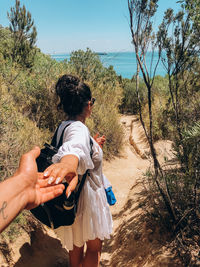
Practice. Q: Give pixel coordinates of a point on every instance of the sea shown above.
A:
(124, 63)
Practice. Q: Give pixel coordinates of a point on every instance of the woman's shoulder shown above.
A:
(75, 126)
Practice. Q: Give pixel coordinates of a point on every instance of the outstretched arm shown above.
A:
(25, 189)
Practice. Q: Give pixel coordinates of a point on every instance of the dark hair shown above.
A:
(73, 94)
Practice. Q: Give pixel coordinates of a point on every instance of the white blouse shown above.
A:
(93, 218)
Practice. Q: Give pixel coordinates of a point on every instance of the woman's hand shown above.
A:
(100, 139)
(65, 169)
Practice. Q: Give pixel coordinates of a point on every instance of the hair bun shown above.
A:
(73, 94)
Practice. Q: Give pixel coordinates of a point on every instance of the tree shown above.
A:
(180, 50)
(86, 64)
(141, 13)
(24, 35)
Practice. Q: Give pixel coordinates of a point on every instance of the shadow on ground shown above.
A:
(43, 251)
(139, 240)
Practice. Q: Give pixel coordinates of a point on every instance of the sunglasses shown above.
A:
(92, 101)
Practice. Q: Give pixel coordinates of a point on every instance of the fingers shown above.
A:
(101, 140)
(43, 182)
(96, 136)
(51, 192)
(72, 185)
(57, 172)
(44, 194)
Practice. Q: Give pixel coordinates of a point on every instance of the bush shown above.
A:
(129, 103)
(18, 135)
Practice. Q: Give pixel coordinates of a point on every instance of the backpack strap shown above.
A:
(85, 174)
(54, 139)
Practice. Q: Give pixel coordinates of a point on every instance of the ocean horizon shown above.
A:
(124, 63)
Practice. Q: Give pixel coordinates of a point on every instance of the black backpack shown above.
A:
(60, 211)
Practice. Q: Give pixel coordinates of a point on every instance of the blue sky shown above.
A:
(67, 25)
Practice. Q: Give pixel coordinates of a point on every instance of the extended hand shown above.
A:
(100, 139)
(37, 190)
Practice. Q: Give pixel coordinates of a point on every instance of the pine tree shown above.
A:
(24, 35)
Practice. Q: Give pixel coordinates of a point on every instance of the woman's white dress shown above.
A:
(93, 218)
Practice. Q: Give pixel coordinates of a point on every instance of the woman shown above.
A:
(93, 221)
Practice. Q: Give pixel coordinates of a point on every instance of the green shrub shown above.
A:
(129, 103)
(18, 135)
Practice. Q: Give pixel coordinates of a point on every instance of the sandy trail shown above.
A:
(124, 174)
(136, 242)
(124, 171)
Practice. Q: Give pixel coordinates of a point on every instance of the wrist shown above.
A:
(70, 162)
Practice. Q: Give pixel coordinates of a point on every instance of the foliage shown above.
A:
(24, 35)
(129, 101)
(193, 7)
(18, 134)
(174, 107)
(192, 142)
(193, 132)
(160, 109)
(180, 115)
(141, 15)
(176, 38)
(86, 65)
(34, 92)
(6, 43)
(182, 50)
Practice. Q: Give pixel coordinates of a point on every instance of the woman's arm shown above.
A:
(24, 189)
(73, 157)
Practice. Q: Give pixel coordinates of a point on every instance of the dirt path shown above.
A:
(134, 242)
(124, 171)
(124, 174)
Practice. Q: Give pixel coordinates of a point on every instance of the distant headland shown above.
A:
(101, 53)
